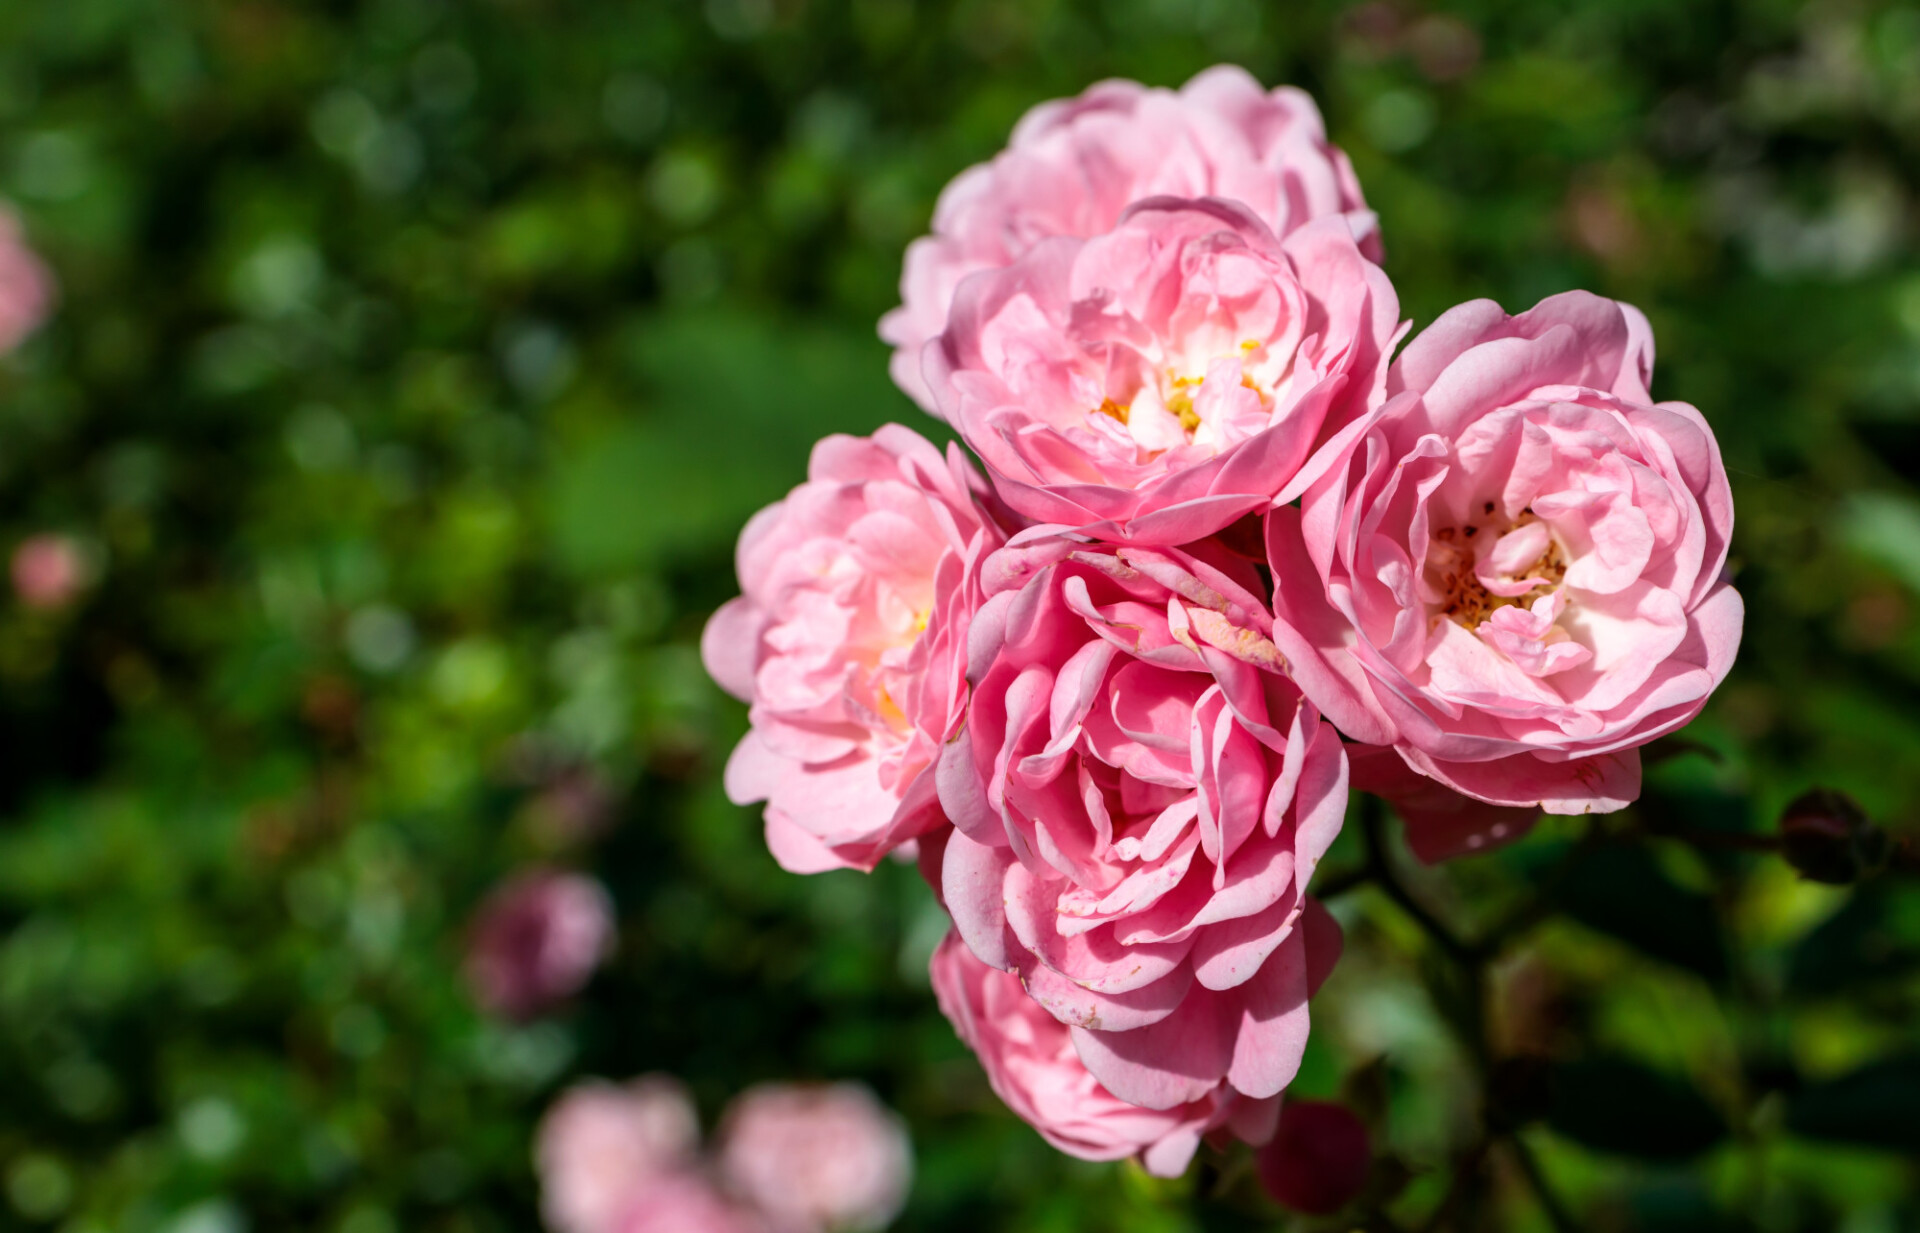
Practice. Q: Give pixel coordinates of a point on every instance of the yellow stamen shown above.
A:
(1181, 404)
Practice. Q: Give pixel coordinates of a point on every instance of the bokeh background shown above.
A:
(416, 364)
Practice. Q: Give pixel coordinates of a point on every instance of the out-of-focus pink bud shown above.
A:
(536, 940)
(26, 288)
(602, 1148)
(1318, 1159)
(817, 1157)
(48, 571)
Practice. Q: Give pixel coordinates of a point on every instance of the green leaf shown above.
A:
(1874, 938)
(1616, 1105)
(738, 401)
(1873, 1106)
(1621, 891)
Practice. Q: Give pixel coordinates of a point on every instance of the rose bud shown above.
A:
(1827, 837)
(536, 940)
(1318, 1159)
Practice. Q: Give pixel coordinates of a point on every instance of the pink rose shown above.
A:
(1074, 165)
(1516, 578)
(686, 1203)
(601, 1146)
(816, 1157)
(536, 940)
(26, 288)
(1158, 381)
(1139, 801)
(1030, 1061)
(849, 645)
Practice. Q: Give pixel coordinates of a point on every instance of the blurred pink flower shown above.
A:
(602, 1146)
(1073, 165)
(1030, 1061)
(1318, 1159)
(1517, 576)
(850, 644)
(536, 940)
(816, 1157)
(48, 570)
(686, 1203)
(1139, 800)
(26, 286)
(1158, 381)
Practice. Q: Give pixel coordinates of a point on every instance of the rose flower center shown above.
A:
(1458, 561)
(1176, 392)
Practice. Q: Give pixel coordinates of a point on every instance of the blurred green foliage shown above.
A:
(416, 364)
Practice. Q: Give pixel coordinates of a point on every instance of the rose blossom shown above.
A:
(1073, 165)
(1140, 800)
(26, 288)
(48, 570)
(816, 1157)
(1160, 380)
(1516, 578)
(848, 644)
(601, 1146)
(686, 1203)
(1031, 1063)
(536, 940)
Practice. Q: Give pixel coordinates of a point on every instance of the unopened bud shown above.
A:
(1827, 837)
(1318, 1159)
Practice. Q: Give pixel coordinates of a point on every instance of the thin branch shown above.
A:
(1556, 1213)
(1465, 1172)
(1373, 830)
(1334, 885)
(1714, 841)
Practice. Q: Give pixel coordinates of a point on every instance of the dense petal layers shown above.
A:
(1030, 1061)
(1075, 165)
(1139, 799)
(1516, 576)
(849, 644)
(1158, 381)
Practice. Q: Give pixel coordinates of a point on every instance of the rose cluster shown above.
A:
(1223, 558)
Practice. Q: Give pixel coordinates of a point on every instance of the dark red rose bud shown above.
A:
(1317, 1161)
(535, 941)
(1827, 837)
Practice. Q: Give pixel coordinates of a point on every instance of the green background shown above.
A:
(416, 364)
